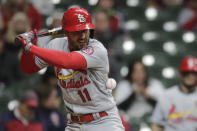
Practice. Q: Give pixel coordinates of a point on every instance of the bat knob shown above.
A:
(17, 40)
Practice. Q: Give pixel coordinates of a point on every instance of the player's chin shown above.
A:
(81, 45)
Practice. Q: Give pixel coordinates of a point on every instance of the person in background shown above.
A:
(11, 7)
(137, 94)
(23, 117)
(187, 18)
(56, 21)
(115, 17)
(177, 107)
(18, 24)
(51, 117)
(45, 7)
(10, 71)
(103, 32)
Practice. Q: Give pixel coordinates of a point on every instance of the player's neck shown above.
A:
(187, 90)
(70, 47)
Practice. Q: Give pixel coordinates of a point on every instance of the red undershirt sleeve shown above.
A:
(27, 63)
(60, 59)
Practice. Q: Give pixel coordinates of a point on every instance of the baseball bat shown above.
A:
(53, 32)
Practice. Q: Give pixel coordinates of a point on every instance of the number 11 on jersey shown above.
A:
(84, 95)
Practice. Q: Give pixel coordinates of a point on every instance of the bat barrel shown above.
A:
(53, 32)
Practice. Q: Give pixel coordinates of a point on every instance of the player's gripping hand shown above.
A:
(27, 39)
(25, 43)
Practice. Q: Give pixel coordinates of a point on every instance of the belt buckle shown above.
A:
(79, 119)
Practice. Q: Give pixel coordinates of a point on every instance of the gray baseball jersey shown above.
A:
(176, 110)
(84, 91)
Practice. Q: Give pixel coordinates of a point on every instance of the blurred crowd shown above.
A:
(137, 93)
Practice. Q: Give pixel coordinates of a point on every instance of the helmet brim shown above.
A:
(80, 27)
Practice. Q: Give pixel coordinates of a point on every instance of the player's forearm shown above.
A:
(27, 63)
(60, 59)
(156, 127)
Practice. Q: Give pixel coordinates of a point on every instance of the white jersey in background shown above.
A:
(176, 110)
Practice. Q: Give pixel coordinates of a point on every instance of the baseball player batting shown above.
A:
(81, 65)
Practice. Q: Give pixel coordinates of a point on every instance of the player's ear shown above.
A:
(181, 75)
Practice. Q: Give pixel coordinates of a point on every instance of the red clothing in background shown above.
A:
(9, 122)
(32, 13)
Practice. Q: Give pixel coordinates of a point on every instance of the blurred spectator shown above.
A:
(49, 77)
(54, 22)
(23, 117)
(45, 7)
(187, 18)
(103, 32)
(137, 94)
(11, 7)
(57, 19)
(176, 108)
(115, 17)
(10, 71)
(18, 25)
(51, 117)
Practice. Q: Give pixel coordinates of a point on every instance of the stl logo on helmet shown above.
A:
(190, 63)
(81, 18)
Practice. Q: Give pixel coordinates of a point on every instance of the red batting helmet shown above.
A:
(189, 64)
(76, 19)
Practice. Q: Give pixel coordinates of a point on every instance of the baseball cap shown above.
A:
(29, 98)
(189, 64)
